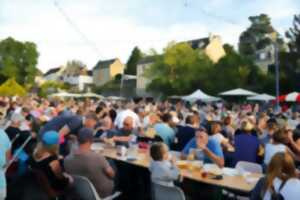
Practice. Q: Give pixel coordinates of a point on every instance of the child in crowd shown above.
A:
(163, 169)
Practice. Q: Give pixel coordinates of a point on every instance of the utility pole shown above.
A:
(276, 52)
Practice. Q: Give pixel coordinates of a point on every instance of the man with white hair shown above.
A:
(119, 121)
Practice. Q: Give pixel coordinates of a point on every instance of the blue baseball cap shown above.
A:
(50, 138)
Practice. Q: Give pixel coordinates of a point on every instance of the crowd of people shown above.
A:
(52, 139)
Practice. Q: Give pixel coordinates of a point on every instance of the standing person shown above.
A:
(68, 126)
(85, 162)
(281, 180)
(5, 146)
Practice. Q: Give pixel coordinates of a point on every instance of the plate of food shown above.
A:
(182, 164)
(96, 147)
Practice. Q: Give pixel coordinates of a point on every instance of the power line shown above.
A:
(76, 28)
(211, 15)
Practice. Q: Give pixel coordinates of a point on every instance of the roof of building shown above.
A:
(198, 43)
(51, 71)
(104, 63)
(147, 59)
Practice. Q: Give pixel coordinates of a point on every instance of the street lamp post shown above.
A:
(276, 52)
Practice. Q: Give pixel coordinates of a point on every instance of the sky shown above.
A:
(93, 30)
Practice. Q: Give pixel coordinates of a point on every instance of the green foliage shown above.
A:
(18, 60)
(293, 34)
(181, 70)
(118, 77)
(51, 86)
(178, 70)
(74, 67)
(259, 35)
(134, 58)
(12, 88)
(113, 85)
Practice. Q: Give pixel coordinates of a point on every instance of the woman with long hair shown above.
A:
(280, 182)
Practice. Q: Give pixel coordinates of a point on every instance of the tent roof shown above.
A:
(199, 95)
(238, 92)
(91, 94)
(64, 94)
(261, 97)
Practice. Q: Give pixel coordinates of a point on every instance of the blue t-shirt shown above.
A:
(5, 145)
(166, 133)
(213, 145)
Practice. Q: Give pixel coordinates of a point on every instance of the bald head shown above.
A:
(128, 123)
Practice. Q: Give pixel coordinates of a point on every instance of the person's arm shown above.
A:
(294, 156)
(219, 160)
(107, 169)
(121, 138)
(8, 155)
(216, 159)
(294, 145)
(65, 130)
(109, 172)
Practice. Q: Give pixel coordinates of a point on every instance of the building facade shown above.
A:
(105, 71)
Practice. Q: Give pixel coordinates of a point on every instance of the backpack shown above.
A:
(277, 195)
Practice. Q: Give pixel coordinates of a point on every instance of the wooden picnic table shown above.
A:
(235, 182)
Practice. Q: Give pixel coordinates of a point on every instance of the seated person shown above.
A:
(122, 135)
(278, 144)
(45, 159)
(281, 178)
(246, 144)
(216, 134)
(91, 165)
(164, 129)
(211, 149)
(163, 168)
(187, 132)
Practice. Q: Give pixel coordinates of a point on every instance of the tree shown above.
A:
(178, 70)
(290, 61)
(134, 58)
(51, 86)
(258, 36)
(75, 68)
(293, 34)
(18, 60)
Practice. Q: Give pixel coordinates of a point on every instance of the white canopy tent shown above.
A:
(64, 94)
(261, 97)
(90, 94)
(199, 95)
(238, 92)
(115, 98)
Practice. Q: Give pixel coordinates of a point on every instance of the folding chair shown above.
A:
(161, 192)
(86, 190)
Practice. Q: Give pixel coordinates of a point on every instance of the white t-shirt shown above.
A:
(290, 190)
(219, 137)
(271, 150)
(127, 113)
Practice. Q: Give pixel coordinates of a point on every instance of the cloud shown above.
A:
(116, 26)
